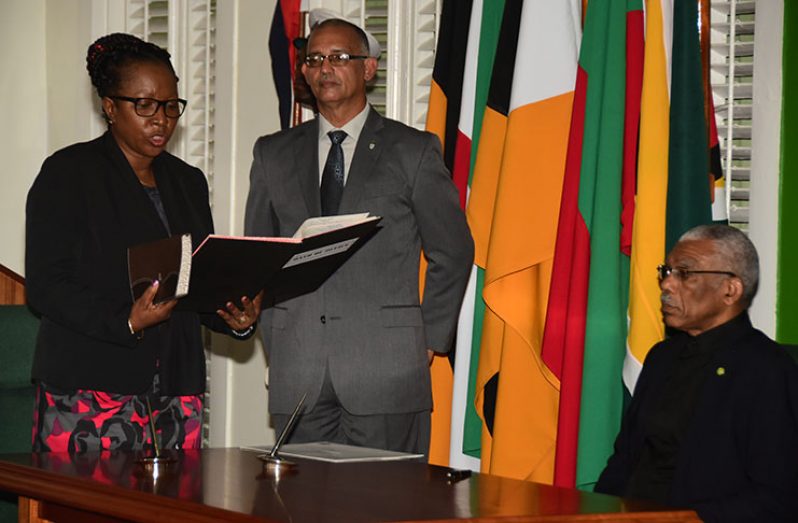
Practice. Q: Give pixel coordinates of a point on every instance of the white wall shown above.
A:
(72, 103)
(23, 135)
(765, 158)
(44, 75)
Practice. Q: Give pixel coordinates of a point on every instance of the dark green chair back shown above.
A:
(18, 330)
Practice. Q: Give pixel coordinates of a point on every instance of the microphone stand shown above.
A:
(272, 461)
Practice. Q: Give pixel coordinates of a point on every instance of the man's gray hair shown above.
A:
(362, 39)
(734, 247)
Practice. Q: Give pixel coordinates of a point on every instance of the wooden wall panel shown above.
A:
(12, 287)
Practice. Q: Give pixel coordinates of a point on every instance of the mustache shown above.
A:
(328, 76)
(666, 299)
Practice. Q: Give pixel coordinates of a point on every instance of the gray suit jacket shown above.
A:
(366, 321)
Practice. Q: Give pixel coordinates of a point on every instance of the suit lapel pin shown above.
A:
(720, 371)
(372, 145)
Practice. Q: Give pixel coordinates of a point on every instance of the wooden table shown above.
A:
(230, 485)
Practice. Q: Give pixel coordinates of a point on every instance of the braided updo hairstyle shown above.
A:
(109, 55)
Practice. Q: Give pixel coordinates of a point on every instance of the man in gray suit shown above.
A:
(360, 346)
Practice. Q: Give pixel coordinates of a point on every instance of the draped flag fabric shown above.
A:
(689, 187)
(482, 199)
(648, 243)
(583, 137)
(674, 181)
(443, 116)
(605, 333)
(284, 28)
(465, 449)
(521, 221)
(443, 113)
(586, 327)
(461, 174)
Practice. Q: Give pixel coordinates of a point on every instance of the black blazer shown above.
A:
(85, 208)
(739, 458)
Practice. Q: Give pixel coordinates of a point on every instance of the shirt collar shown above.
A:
(717, 337)
(352, 128)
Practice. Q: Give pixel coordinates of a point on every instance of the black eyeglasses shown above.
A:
(663, 271)
(149, 106)
(335, 59)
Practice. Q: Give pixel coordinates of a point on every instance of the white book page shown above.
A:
(322, 224)
(184, 276)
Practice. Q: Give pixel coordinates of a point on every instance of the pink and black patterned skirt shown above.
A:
(89, 420)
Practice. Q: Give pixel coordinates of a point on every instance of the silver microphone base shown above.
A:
(276, 465)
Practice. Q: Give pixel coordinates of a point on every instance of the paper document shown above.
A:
(337, 452)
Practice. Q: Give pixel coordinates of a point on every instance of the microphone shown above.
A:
(155, 465)
(272, 460)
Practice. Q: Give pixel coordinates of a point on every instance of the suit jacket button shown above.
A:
(323, 319)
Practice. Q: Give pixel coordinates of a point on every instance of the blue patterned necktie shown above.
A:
(332, 178)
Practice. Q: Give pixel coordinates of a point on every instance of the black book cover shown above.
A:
(225, 268)
(316, 260)
(167, 260)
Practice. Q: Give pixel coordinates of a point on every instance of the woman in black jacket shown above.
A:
(100, 355)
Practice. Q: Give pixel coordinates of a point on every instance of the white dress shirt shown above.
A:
(352, 129)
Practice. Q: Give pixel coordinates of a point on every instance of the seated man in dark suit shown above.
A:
(713, 423)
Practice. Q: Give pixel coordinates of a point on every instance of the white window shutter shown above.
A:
(149, 20)
(412, 32)
(375, 21)
(186, 29)
(194, 60)
(732, 71)
(406, 30)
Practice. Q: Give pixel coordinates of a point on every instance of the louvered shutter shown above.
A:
(186, 29)
(149, 20)
(375, 21)
(412, 28)
(406, 30)
(732, 71)
(194, 60)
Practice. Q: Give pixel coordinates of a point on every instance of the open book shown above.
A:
(225, 268)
